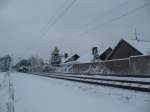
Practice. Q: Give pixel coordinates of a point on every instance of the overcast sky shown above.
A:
(23, 30)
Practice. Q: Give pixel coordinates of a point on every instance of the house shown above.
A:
(72, 58)
(90, 57)
(125, 49)
(128, 57)
(86, 58)
(95, 56)
(104, 54)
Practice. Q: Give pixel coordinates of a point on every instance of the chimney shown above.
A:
(94, 50)
(66, 55)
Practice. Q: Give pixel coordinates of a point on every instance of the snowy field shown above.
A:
(1, 77)
(4, 92)
(40, 94)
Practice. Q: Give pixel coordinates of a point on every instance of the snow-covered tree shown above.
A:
(23, 65)
(55, 57)
(36, 63)
(32, 64)
(5, 63)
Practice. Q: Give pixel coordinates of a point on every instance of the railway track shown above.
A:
(138, 85)
(114, 75)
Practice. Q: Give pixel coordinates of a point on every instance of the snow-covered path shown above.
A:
(40, 94)
(4, 96)
(6, 93)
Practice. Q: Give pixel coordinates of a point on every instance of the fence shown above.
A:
(138, 65)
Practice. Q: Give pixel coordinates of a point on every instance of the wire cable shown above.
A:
(59, 17)
(52, 17)
(117, 18)
(108, 12)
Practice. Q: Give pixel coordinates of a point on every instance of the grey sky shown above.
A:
(21, 22)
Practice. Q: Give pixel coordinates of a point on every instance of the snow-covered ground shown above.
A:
(4, 92)
(1, 77)
(40, 94)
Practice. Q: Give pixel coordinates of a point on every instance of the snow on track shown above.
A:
(41, 94)
(109, 77)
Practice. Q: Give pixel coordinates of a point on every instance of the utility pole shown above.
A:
(136, 35)
(137, 38)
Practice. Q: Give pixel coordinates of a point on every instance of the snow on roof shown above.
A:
(143, 47)
(103, 50)
(64, 60)
(70, 57)
(85, 58)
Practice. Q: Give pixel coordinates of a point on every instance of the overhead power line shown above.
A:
(54, 21)
(63, 13)
(117, 18)
(60, 12)
(106, 13)
(53, 16)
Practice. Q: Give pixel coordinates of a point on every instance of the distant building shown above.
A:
(72, 58)
(125, 49)
(116, 61)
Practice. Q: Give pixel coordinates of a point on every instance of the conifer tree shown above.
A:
(55, 57)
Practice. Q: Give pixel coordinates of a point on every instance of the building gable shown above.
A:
(73, 58)
(105, 54)
(123, 50)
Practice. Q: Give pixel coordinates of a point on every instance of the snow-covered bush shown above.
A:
(98, 69)
(65, 68)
